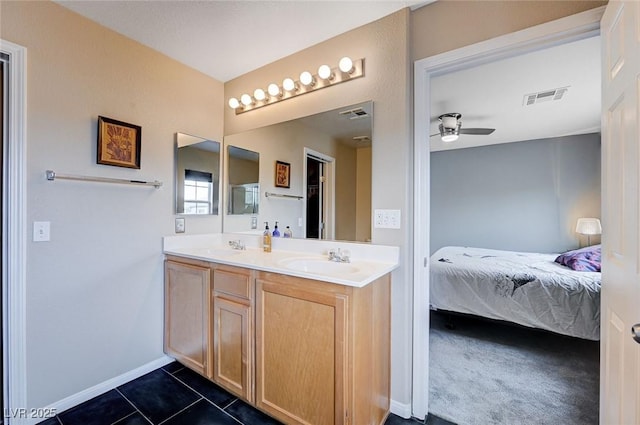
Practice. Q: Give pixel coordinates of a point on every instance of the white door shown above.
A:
(620, 354)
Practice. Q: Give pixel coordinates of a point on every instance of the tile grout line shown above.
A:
(130, 414)
(224, 411)
(230, 403)
(205, 398)
(180, 411)
(134, 406)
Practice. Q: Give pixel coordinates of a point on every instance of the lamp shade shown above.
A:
(588, 226)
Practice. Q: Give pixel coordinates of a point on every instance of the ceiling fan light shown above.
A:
(449, 122)
(449, 138)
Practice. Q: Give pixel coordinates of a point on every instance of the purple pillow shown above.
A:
(583, 260)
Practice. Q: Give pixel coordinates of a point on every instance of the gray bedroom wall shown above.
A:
(523, 196)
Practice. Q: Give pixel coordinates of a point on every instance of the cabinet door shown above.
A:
(187, 289)
(300, 353)
(232, 330)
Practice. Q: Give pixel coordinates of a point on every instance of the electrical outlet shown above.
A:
(180, 225)
(254, 222)
(386, 219)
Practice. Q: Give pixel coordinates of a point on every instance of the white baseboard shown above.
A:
(103, 387)
(401, 409)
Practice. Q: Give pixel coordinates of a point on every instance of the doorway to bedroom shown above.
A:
(525, 165)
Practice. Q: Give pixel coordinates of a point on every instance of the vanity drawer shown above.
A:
(232, 281)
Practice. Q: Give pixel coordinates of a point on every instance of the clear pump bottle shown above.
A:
(266, 238)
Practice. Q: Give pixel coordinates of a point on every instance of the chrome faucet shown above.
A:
(237, 245)
(339, 256)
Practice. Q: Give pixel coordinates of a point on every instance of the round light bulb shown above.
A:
(324, 72)
(346, 65)
(246, 99)
(259, 94)
(450, 138)
(288, 84)
(306, 78)
(234, 103)
(274, 90)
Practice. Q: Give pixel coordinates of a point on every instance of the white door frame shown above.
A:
(15, 236)
(571, 28)
(329, 195)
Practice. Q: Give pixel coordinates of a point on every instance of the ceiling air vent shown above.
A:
(544, 96)
(354, 114)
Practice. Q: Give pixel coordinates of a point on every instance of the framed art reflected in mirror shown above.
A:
(283, 174)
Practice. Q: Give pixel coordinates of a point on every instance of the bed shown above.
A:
(530, 289)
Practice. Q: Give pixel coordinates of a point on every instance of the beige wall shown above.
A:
(363, 194)
(449, 24)
(94, 292)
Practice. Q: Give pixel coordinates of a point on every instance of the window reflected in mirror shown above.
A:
(197, 175)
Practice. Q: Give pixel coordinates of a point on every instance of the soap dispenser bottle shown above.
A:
(276, 232)
(266, 238)
(288, 233)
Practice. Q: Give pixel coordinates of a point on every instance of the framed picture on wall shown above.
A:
(283, 174)
(119, 143)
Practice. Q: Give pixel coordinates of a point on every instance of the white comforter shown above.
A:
(526, 288)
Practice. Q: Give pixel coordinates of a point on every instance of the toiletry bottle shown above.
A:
(276, 232)
(288, 233)
(266, 238)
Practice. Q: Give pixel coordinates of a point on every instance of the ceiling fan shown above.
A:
(450, 128)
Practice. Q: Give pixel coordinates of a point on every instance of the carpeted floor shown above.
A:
(486, 372)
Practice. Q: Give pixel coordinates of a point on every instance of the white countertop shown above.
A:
(295, 257)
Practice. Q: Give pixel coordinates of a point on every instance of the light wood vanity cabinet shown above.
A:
(187, 325)
(303, 351)
(233, 329)
(322, 350)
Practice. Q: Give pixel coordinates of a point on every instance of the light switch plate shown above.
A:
(41, 231)
(386, 219)
(180, 225)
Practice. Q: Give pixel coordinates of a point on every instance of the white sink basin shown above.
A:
(319, 266)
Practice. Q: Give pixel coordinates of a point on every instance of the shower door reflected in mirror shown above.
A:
(244, 189)
(197, 175)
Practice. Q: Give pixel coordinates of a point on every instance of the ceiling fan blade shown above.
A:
(477, 131)
(435, 134)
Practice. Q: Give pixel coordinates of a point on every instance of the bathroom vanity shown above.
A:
(302, 338)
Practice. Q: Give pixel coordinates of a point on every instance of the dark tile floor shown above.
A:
(175, 395)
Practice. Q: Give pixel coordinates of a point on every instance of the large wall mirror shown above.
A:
(197, 175)
(328, 190)
(243, 172)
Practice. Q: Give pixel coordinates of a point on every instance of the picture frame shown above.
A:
(119, 143)
(283, 174)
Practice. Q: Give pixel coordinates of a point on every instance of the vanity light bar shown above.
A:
(347, 70)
